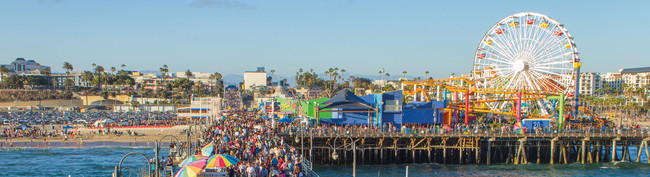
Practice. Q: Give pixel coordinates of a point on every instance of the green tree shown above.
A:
(189, 74)
(388, 88)
(3, 70)
(183, 84)
(12, 82)
(68, 68)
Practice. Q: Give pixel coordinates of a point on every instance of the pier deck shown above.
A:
(470, 148)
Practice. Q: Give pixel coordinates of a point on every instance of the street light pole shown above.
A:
(354, 155)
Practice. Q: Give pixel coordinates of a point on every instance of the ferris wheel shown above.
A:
(526, 51)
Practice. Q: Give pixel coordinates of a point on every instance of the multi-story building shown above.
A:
(639, 77)
(590, 83)
(254, 78)
(22, 66)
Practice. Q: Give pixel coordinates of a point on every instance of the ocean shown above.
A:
(101, 161)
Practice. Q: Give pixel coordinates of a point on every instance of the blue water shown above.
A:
(100, 161)
(74, 161)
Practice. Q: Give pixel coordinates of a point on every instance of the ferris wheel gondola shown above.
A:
(527, 52)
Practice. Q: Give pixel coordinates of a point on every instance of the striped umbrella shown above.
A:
(207, 150)
(192, 159)
(192, 170)
(221, 160)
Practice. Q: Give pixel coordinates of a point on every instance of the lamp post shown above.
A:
(354, 155)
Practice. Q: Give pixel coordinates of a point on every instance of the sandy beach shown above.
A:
(146, 135)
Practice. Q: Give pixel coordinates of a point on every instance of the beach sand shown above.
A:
(90, 136)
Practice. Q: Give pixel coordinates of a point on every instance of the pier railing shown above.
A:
(306, 168)
(463, 146)
(459, 133)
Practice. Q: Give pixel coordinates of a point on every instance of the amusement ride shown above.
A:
(526, 65)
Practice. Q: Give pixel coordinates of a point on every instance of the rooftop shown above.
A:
(634, 70)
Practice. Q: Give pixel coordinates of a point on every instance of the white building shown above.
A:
(201, 108)
(22, 66)
(254, 78)
(589, 83)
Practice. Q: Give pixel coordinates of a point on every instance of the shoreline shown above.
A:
(90, 137)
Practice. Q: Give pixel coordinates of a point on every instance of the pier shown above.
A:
(468, 148)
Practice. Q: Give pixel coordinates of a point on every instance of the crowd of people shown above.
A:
(256, 143)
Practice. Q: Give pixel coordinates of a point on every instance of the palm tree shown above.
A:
(163, 72)
(272, 71)
(426, 73)
(113, 69)
(99, 70)
(123, 67)
(404, 73)
(218, 77)
(99, 74)
(87, 77)
(188, 74)
(68, 67)
(47, 72)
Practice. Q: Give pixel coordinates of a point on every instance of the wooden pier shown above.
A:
(463, 148)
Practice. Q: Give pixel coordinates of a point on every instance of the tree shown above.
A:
(87, 77)
(309, 79)
(426, 73)
(68, 68)
(183, 84)
(388, 88)
(99, 76)
(217, 78)
(12, 82)
(3, 70)
(404, 73)
(113, 69)
(123, 67)
(188, 74)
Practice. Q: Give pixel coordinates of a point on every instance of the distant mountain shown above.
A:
(233, 79)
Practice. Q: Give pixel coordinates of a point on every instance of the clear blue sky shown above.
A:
(362, 36)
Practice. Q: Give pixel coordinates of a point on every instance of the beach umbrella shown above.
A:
(198, 163)
(207, 150)
(221, 160)
(191, 159)
(192, 170)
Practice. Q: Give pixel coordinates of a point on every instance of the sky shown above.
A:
(361, 36)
